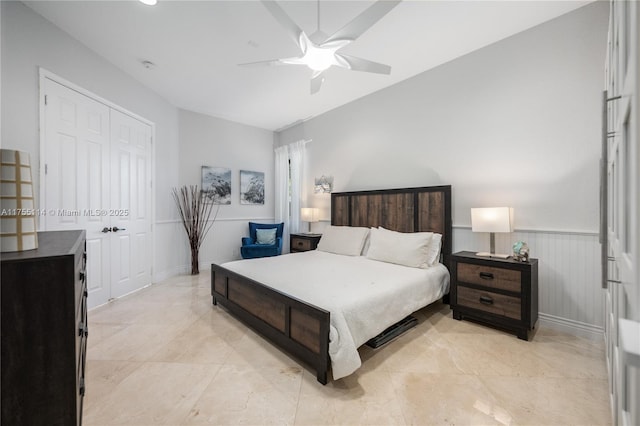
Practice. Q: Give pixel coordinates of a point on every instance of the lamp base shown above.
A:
(497, 255)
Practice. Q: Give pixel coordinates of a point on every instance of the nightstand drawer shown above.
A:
(488, 276)
(300, 244)
(487, 301)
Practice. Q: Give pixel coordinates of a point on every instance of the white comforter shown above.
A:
(363, 296)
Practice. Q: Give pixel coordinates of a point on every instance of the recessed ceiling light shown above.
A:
(148, 65)
(149, 2)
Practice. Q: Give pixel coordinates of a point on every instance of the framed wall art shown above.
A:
(251, 187)
(216, 184)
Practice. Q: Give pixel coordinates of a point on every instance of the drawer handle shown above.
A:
(83, 276)
(300, 243)
(486, 275)
(486, 300)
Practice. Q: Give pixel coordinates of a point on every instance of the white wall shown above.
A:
(28, 42)
(184, 141)
(210, 141)
(516, 123)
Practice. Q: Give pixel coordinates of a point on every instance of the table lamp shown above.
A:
(492, 220)
(309, 214)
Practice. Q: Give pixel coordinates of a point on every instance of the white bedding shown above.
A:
(364, 296)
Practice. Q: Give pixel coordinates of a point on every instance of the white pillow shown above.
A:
(408, 249)
(433, 251)
(347, 240)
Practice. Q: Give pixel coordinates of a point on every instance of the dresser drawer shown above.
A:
(499, 304)
(488, 276)
(300, 244)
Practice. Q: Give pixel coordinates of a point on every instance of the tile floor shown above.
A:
(166, 356)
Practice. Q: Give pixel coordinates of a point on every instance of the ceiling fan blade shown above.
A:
(275, 62)
(337, 44)
(364, 21)
(359, 64)
(316, 82)
(293, 30)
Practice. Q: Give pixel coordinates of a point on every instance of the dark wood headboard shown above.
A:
(426, 209)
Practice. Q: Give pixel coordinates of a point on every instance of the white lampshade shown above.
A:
(492, 219)
(308, 214)
(18, 227)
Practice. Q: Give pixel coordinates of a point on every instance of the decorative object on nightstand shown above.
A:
(521, 251)
(499, 292)
(492, 220)
(309, 215)
(17, 202)
(304, 242)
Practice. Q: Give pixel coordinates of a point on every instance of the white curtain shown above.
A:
(296, 158)
(289, 168)
(282, 193)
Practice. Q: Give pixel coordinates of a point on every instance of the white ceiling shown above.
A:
(197, 45)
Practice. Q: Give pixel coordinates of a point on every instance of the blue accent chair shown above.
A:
(251, 249)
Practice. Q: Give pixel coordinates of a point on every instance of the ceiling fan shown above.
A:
(319, 51)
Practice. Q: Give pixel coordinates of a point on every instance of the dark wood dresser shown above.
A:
(44, 331)
(304, 242)
(498, 292)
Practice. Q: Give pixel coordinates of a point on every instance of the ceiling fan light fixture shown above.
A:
(319, 59)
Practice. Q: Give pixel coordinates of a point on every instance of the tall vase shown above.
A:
(195, 266)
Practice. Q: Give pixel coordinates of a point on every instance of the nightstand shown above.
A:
(304, 242)
(499, 292)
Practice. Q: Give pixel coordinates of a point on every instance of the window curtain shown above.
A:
(282, 193)
(296, 158)
(289, 178)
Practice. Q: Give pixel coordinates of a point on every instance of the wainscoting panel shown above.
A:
(570, 295)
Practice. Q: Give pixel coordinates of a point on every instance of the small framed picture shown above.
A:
(251, 187)
(216, 184)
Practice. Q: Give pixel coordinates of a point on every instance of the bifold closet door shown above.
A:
(130, 204)
(98, 178)
(622, 295)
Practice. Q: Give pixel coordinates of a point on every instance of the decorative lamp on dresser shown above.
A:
(44, 331)
(499, 292)
(304, 242)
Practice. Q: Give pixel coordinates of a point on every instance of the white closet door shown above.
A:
(76, 184)
(98, 178)
(622, 299)
(130, 203)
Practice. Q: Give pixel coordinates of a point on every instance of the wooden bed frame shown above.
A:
(302, 329)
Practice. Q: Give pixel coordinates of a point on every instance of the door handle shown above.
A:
(105, 230)
(116, 229)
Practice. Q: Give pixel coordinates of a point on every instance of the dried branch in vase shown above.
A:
(195, 213)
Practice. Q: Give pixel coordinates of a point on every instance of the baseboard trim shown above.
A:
(205, 266)
(576, 328)
(169, 273)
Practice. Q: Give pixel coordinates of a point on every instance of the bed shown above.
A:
(281, 308)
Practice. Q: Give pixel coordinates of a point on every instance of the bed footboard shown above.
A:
(295, 326)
